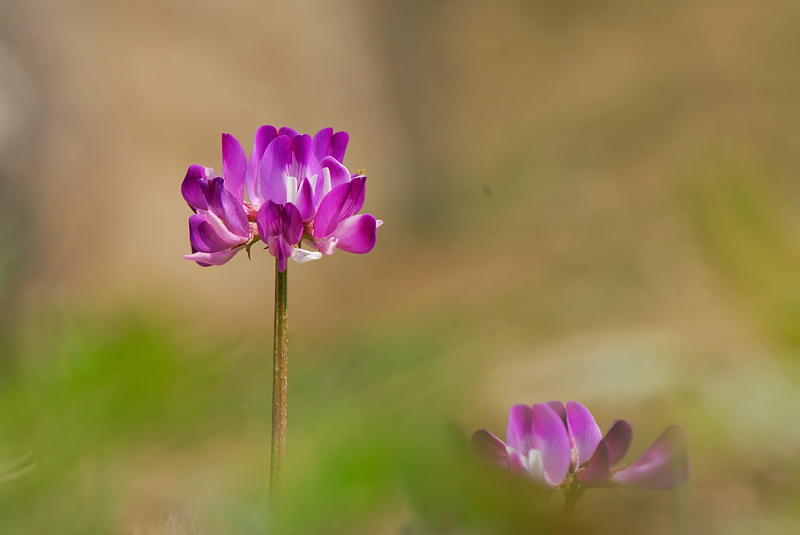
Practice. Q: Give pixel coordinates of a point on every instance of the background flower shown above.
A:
(550, 440)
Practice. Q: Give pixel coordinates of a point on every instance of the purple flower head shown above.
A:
(288, 176)
(560, 445)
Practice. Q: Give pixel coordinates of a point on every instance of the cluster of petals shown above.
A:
(555, 444)
(297, 188)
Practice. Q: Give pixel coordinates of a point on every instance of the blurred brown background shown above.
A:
(582, 200)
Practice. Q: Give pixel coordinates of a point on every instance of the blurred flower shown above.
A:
(562, 445)
(289, 177)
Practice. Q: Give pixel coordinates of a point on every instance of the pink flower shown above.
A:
(559, 445)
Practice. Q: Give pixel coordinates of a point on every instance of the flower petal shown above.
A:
(326, 246)
(356, 234)
(339, 204)
(223, 204)
(304, 163)
(264, 136)
(279, 249)
(234, 166)
(322, 143)
(304, 201)
(339, 142)
(293, 224)
(583, 429)
(273, 172)
(301, 256)
(556, 406)
(664, 465)
(552, 440)
(515, 464)
(489, 448)
(213, 259)
(519, 433)
(326, 143)
(339, 173)
(618, 438)
(286, 131)
(279, 220)
(598, 469)
(190, 187)
(210, 236)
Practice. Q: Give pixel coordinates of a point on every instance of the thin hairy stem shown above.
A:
(279, 360)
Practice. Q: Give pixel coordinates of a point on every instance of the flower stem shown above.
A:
(279, 358)
(572, 494)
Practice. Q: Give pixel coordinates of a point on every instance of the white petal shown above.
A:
(326, 245)
(326, 184)
(534, 466)
(302, 256)
(291, 189)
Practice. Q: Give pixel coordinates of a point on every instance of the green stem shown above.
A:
(279, 358)
(572, 494)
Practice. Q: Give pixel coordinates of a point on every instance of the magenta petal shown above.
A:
(584, 431)
(190, 188)
(274, 170)
(329, 212)
(279, 220)
(326, 143)
(213, 259)
(304, 163)
(223, 204)
(288, 132)
(664, 465)
(305, 201)
(552, 440)
(234, 166)
(264, 136)
(207, 239)
(339, 173)
(339, 204)
(356, 234)
(519, 434)
(293, 224)
(322, 143)
(559, 408)
(618, 438)
(489, 448)
(355, 197)
(280, 250)
(339, 142)
(598, 469)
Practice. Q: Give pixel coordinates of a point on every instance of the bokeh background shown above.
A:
(589, 200)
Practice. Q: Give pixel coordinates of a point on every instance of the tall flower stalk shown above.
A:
(280, 352)
(292, 188)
